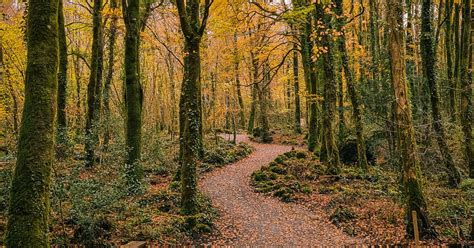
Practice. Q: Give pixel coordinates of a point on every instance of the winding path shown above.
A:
(251, 219)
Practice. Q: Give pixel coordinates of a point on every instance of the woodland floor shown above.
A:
(252, 219)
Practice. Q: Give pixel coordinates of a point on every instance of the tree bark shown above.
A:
(296, 84)
(466, 85)
(237, 83)
(330, 98)
(429, 61)
(133, 95)
(191, 148)
(353, 93)
(94, 87)
(110, 73)
(28, 214)
(414, 198)
(62, 82)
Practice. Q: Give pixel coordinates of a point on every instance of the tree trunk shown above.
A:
(330, 99)
(449, 59)
(61, 134)
(253, 105)
(406, 136)
(28, 214)
(110, 73)
(466, 86)
(237, 83)
(429, 61)
(353, 93)
(94, 88)
(297, 92)
(133, 95)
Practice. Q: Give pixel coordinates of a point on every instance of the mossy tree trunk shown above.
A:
(263, 98)
(413, 194)
(466, 85)
(309, 68)
(191, 148)
(61, 133)
(29, 199)
(352, 90)
(330, 97)
(94, 87)
(429, 61)
(133, 94)
(296, 85)
(110, 72)
(449, 59)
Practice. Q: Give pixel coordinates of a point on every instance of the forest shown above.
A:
(291, 123)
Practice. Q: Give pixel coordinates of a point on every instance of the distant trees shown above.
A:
(28, 214)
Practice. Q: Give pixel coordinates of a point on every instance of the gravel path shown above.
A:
(252, 219)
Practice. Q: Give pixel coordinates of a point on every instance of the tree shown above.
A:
(62, 81)
(133, 94)
(331, 153)
(412, 190)
(28, 215)
(190, 119)
(429, 61)
(351, 88)
(466, 86)
(110, 71)
(296, 84)
(94, 87)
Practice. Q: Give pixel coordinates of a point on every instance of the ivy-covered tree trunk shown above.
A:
(412, 190)
(94, 87)
(466, 85)
(61, 133)
(110, 72)
(191, 148)
(330, 98)
(133, 94)
(353, 93)
(429, 61)
(296, 85)
(28, 215)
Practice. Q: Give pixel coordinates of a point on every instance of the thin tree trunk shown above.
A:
(237, 83)
(253, 105)
(28, 215)
(297, 91)
(429, 61)
(94, 88)
(466, 86)
(110, 74)
(61, 134)
(353, 93)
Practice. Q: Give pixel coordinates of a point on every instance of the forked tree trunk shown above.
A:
(28, 215)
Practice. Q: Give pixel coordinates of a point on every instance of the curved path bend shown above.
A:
(251, 219)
